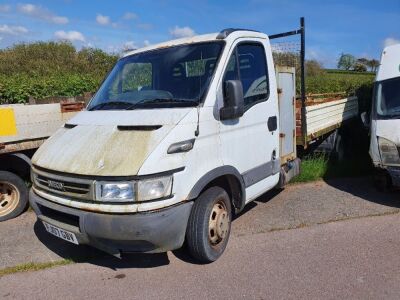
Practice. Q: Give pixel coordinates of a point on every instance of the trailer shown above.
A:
(23, 128)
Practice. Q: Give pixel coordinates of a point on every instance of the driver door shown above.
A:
(247, 143)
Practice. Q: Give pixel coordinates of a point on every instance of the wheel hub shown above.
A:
(9, 198)
(218, 224)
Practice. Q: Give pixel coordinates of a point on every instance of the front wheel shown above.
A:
(13, 195)
(209, 225)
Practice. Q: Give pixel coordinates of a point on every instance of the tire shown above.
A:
(339, 150)
(209, 225)
(13, 196)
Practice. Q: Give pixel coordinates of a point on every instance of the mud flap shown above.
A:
(288, 171)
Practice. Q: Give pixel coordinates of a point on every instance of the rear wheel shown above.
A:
(13, 195)
(339, 148)
(209, 225)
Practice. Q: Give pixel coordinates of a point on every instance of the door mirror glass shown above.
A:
(233, 100)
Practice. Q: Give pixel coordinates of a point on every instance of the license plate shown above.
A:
(61, 233)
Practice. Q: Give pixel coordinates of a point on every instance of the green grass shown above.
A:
(312, 168)
(318, 166)
(34, 267)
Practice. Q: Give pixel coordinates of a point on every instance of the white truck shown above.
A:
(384, 120)
(23, 128)
(179, 137)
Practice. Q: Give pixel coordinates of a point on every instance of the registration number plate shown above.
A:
(61, 233)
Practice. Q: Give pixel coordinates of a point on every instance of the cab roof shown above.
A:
(222, 35)
(390, 63)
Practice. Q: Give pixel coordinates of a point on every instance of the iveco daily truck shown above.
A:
(385, 119)
(179, 137)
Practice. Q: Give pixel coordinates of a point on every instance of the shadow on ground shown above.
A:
(364, 188)
(83, 253)
(264, 198)
(355, 173)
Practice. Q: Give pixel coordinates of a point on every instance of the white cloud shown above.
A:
(129, 45)
(5, 8)
(130, 16)
(13, 30)
(124, 47)
(146, 43)
(42, 13)
(180, 32)
(390, 41)
(103, 20)
(73, 36)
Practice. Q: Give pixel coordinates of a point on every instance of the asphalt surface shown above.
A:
(25, 240)
(353, 259)
(337, 250)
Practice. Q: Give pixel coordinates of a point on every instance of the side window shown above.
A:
(251, 69)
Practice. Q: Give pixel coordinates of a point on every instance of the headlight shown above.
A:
(115, 192)
(150, 189)
(130, 191)
(389, 151)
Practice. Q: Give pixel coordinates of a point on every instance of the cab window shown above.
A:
(248, 64)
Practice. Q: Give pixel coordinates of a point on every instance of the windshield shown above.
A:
(170, 77)
(387, 98)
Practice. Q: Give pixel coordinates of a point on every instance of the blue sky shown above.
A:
(361, 28)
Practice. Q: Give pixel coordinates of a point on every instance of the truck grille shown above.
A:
(63, 185)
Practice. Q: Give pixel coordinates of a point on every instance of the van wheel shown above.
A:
(209, 225)
(13, 196)
(339, 149)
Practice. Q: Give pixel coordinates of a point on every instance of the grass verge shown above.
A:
(320, 166)
(312, 168)
(34, 267)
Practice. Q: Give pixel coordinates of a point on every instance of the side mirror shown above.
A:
(233, 100)
(365, 119)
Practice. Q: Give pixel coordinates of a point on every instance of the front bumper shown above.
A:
(150, 232)
(394, 173)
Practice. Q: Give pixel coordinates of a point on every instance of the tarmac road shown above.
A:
(326, 257)
(353, 259)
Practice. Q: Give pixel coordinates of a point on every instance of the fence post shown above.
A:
(303, 82)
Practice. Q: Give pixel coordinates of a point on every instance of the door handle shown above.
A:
(272, 123)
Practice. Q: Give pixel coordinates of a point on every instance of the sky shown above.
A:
(361, 28)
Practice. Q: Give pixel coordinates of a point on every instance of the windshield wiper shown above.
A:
(162, 100)
(101, 105)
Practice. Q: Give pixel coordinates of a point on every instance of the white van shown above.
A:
(385, 119)
(179, 137)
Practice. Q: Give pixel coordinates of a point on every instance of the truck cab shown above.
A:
(179, 137)
(385, 119)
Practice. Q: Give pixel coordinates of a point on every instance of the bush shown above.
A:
(333, 82)
(314, 68)
(44, 69)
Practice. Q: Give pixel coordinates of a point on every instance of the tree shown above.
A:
(363, 61)
(359, 67)
(313, 68)
(346, 61)
(373, 64)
